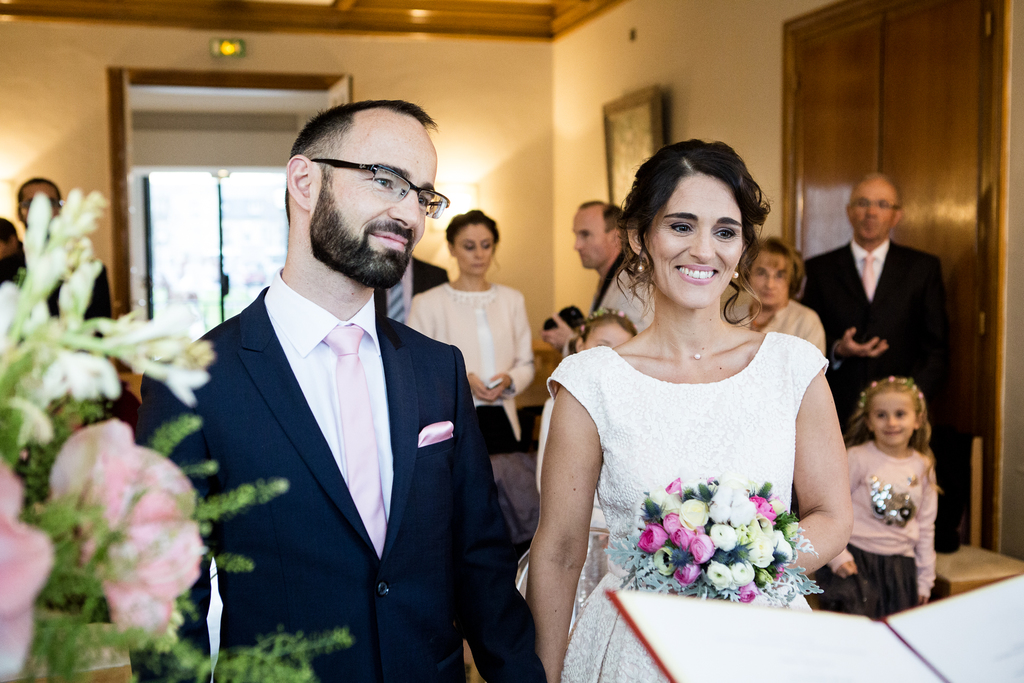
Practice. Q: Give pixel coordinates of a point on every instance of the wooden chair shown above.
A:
(972, 566)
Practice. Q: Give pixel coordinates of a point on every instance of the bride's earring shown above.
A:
(641, 267)
(735, 274)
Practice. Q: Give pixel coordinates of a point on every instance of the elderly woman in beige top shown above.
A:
(488, 323)
(775, 277)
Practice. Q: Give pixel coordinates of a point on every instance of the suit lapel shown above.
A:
(888, 281)
(268, 367)
(848, 275)
(403, 416)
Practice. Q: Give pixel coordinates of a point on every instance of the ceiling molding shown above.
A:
(463, 18)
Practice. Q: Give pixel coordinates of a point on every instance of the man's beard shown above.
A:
(342, 250)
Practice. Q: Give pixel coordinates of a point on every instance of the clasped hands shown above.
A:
(872, 348)
(480, 390)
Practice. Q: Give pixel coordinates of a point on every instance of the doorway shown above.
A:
(912, 89)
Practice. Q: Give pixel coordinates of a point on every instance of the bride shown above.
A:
(692, 396)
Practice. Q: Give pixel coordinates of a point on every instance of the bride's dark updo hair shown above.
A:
(653, 186)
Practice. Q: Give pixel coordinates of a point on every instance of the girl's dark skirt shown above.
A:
(883, 585)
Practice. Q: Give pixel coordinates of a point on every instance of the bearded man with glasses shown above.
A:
(882, 304)
(391, 524)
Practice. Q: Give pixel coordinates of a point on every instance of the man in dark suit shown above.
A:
(419, 277)
(405, 547)
(883, 305)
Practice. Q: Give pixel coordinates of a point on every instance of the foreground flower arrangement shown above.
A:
(725, 538)
(94, 528)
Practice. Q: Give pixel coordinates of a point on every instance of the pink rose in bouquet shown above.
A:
(26, 557)
(749, 592)
(702, 548)
(688, 574)
(675, 487)
(671, 523)
(683, 537)
(653, 537)
(150, 500)
(763, 508)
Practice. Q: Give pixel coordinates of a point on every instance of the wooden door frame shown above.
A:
(119, 80)
(992, 183)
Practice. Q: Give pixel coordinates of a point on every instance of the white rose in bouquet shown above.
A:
(668, 502)
(742, 573)
(694, 514)
(762, 551)
(723, 536)
(720, 575)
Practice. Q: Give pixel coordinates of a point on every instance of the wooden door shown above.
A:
(911, 88)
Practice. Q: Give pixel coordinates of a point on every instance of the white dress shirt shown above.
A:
(301, 326)
(860, 254)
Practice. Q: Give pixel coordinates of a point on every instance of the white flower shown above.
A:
(174, 322)
(719, 574)
(181, 381)
(782, 546)
(762, 551)
(36, 426)
(661, 560)
(777, 506)
(82, 375)
(40, 213)
(732, 480)
(723, 536)
(742, 573)
(45, 271)
(721, 505)
(76, 292)
(9, 294)
(668, 502)
(694, 514)
(743, 510)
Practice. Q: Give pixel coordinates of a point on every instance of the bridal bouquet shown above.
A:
(93, 528)
(726, 538)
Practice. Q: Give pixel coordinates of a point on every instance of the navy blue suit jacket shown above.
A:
(447, 568)
(908, 311)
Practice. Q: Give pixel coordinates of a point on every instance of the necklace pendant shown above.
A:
(696, 356)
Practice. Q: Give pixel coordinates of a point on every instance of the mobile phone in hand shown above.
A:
(493, 383)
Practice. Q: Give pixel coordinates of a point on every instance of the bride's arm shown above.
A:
(572, 464)
(821, 476)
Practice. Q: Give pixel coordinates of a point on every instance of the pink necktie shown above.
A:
(868, 278)
(361, 462)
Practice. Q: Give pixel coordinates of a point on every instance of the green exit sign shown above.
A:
(227, 47)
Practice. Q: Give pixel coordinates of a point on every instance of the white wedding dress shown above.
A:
(653, 432)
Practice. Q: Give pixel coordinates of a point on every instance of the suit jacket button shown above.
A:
(382, 588)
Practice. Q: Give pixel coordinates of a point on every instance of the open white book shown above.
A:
(975, 636)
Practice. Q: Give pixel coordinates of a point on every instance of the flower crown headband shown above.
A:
(600, 313)
(892, 380)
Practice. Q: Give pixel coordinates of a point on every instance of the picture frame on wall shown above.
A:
(633, 132)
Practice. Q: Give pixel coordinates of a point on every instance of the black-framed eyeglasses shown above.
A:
(27, 203)
(882, 204)
(394, 186)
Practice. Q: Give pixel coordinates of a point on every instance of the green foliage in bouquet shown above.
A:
(93, 528)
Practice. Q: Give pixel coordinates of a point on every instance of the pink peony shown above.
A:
(702, 548)
(671, 523)
(653, 537)
(764, 508)
(688, 574)
(146, 496)
(26, 557)
(675, 487)
(683, 537)
(749, 592)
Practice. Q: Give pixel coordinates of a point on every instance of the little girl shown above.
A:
(890, 560)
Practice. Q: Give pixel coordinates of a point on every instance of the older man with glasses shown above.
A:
(391, 525)
(882, 304)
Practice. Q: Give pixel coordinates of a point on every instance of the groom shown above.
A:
(391, 524)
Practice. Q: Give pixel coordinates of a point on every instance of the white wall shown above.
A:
(721, 65)
(492, 101)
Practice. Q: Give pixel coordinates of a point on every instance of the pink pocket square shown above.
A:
(435, 433)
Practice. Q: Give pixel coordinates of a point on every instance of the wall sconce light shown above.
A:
(227, 47)
(464, 197)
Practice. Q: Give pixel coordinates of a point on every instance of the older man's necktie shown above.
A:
(868, 277)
